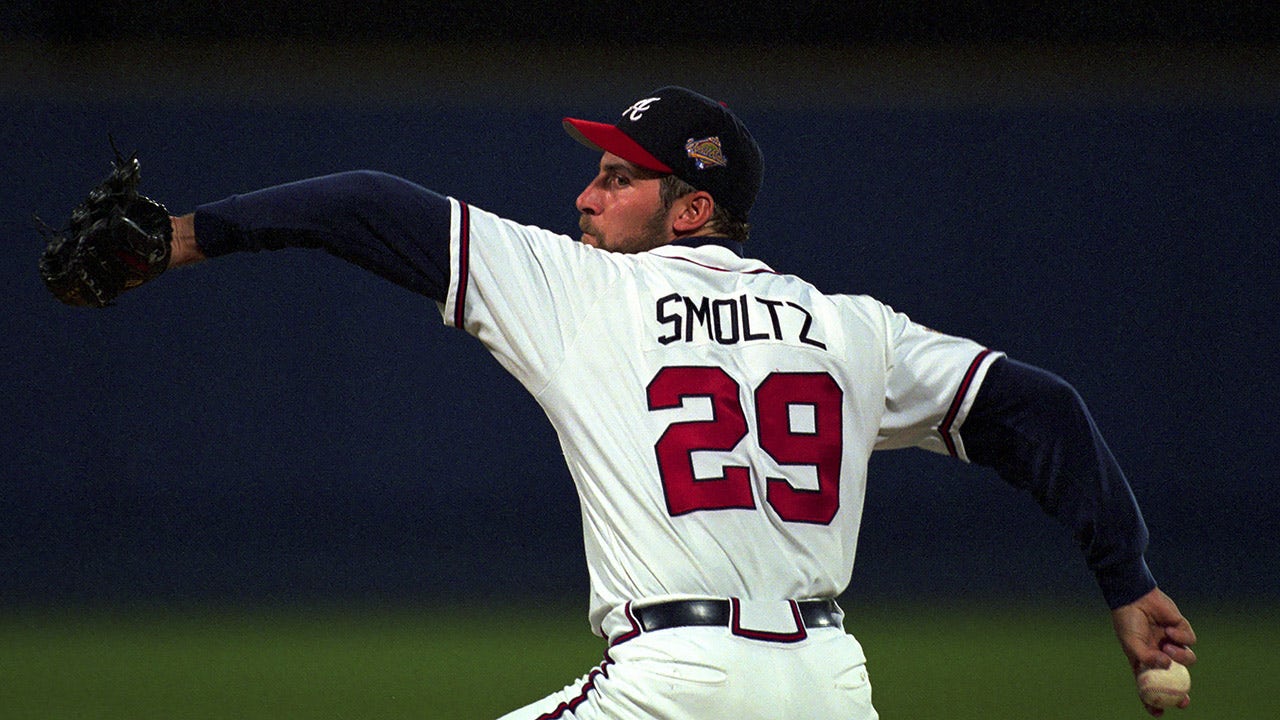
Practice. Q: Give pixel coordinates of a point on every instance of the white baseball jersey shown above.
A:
(716, 416)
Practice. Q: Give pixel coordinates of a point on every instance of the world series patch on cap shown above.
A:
(675, 130)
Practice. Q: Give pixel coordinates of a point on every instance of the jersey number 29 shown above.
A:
(818, 443)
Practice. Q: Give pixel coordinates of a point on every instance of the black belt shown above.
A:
(683, 613)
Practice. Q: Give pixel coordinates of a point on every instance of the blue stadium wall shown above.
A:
(285, 427)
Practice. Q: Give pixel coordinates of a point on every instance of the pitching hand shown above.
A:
(1152, 633)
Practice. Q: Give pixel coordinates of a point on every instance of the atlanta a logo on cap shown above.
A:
(636, 111)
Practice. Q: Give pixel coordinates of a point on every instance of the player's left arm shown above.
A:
(483, 271)
(184, 250)
(382, 223)
(1033, 428)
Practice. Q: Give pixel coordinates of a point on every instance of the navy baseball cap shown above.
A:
(677, 131)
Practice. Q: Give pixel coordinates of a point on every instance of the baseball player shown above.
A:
(716, 415)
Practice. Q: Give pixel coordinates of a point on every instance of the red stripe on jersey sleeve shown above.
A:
(945, 428)
(464, 251)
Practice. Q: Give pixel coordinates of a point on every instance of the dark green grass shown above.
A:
(954, 662)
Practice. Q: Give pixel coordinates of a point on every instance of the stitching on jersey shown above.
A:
(759, 271)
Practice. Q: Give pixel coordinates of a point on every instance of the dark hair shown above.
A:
(725, 223)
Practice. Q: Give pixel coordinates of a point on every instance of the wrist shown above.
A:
(183, 247)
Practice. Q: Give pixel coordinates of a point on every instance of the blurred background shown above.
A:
(1089, 187)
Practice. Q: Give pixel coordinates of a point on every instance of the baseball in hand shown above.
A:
(1164, 688)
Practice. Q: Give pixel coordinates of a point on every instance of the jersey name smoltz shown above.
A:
(733, 320)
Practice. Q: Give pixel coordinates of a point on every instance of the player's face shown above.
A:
(622, 210)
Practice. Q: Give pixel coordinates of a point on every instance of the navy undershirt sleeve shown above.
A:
(380, 222)
(1033, 428)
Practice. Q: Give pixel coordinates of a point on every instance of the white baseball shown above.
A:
(1164, 688)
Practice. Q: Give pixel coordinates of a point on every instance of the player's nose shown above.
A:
(587, 201)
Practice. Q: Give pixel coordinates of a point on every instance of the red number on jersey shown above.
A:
(726, 428)
(819, 442)
(813, 437)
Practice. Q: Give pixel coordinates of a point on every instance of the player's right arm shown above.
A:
(1035, 431)
(1033, 428)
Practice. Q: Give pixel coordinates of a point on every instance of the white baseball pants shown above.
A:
(708, 673)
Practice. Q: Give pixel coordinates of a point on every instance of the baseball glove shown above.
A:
(117, 239)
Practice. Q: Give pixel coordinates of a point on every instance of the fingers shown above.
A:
(1150, 656)
(1181, 632)
(1154, 632)
(1178, 652)
(1178, 639)
(1161, 655)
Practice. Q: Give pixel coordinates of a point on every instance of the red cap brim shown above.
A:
(608, 138)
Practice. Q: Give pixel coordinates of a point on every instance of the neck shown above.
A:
(709, 239)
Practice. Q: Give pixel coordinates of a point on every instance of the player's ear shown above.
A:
(694, 211)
